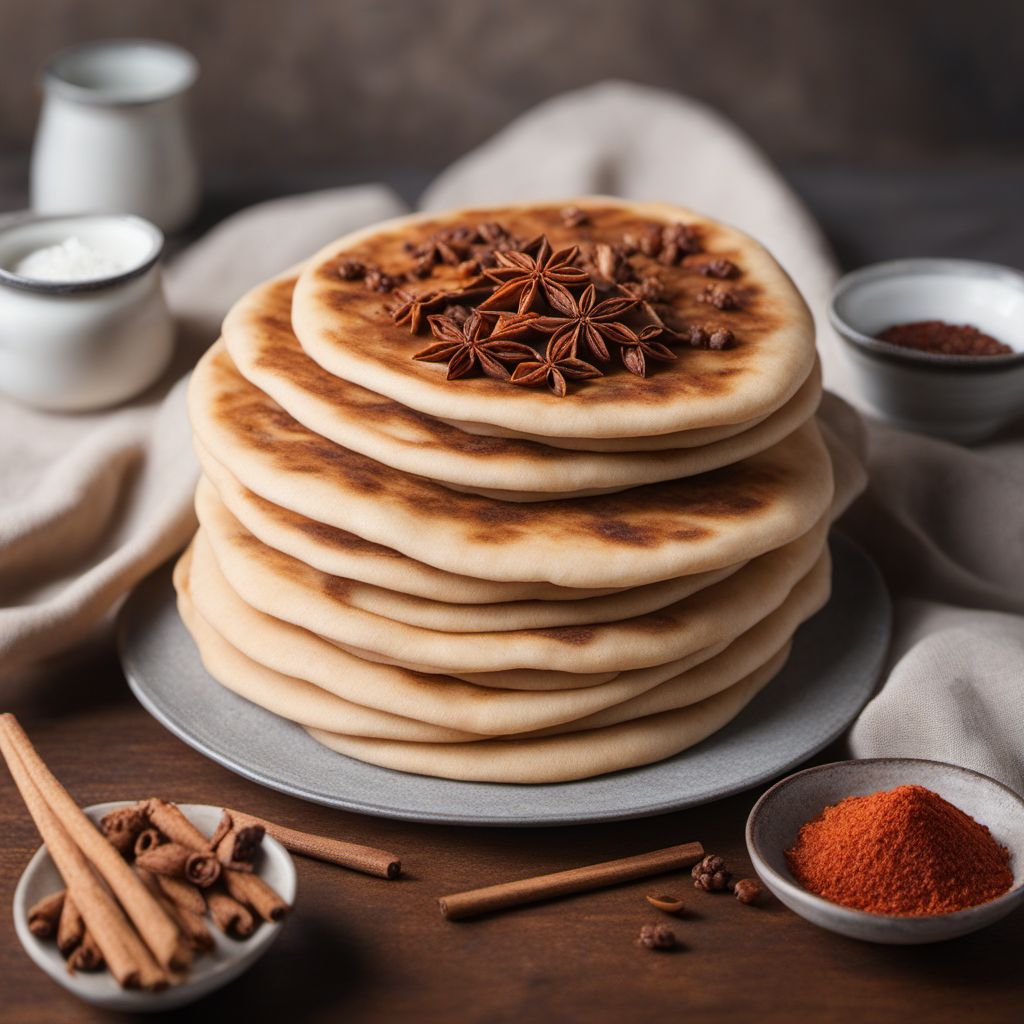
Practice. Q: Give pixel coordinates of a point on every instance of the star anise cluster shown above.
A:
(533, 316)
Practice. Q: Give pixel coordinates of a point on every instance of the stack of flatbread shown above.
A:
(521, 495)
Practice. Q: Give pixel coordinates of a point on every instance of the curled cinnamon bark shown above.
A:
(366, 859)
(182, 894)
(230, 916)
(122, 827)
(86, 956)
(157, 930)
(193, 928)
(127, 956)
(146, 840)
(238, 848)
(244, 887)
(70, 929)
(177, 861)
(43, 916)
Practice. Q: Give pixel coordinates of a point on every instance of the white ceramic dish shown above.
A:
(960, 398)
(86, 344)
(211, 971)
(777, 817)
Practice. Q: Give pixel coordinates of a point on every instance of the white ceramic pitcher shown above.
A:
(113, 135)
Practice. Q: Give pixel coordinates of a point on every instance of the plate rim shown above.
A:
(533, 819)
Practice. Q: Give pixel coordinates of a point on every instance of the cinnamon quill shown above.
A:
(44, 915)
(158, 931)
(563, 883)
(367, 859)
(124, 952)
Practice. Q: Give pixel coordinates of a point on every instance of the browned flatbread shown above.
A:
(630, 538)
(258, 336)
(345, 328)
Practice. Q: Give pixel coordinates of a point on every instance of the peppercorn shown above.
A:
(747, 890)
(710, 874)
(657, 936)
(722, 338)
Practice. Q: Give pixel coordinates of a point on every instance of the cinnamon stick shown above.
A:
(253, 891)
(126, 955)
(70, 928)
(238, 847)
(247, 888)
(191, 924)
(182, 894)
(230, 916)
(366, 859)
(147, 839)
(177, 861)
(44, 915)
(158, 931)
(563, 883)
(86, 956)
(122, 827)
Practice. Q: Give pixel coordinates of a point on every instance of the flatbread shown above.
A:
(285, 588)
(346, 329)
(341, 553)
(569, 756)
(631, 538)
(459, 617)
(260, 342)
(279, 666)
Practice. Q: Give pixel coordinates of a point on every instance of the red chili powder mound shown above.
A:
(905, 852)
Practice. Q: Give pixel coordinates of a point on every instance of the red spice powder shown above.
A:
(904, 852)
(944, 339)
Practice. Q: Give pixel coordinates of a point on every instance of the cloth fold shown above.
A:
(92, 503)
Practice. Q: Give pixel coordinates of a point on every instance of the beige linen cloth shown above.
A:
(92, 503)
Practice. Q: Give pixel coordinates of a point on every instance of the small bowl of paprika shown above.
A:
(891, 850)
(936, 345)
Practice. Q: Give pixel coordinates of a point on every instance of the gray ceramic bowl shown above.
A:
(959, 398)
(776, 819)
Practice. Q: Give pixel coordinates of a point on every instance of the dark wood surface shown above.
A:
(363, 949)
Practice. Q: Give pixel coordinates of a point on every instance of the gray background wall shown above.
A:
(343, 88)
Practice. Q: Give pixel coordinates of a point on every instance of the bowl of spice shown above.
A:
(891, 850)
(937, 345)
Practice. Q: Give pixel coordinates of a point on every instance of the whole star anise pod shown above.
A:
(411, 309)
(520, 275)
(642, 347)
(557, 364)
(464, 346)
(587, 322)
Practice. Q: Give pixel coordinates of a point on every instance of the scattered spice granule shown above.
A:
(905, 852)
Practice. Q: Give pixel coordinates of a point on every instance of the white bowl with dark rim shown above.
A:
(776, 819)
(958, 398)
(213, 970)
(88, 343)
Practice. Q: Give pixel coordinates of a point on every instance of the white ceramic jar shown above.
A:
(83, 344)
(113, 135)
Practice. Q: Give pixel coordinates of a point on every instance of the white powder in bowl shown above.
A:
(69, 260)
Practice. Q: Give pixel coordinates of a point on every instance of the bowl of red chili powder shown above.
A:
(935, 345)
(891, 850)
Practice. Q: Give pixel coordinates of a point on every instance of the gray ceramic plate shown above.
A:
(836, 661)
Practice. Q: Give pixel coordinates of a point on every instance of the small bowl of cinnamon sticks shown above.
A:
(223, 885)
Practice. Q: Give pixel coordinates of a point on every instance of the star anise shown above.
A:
(557, 364)
(464, 346)
(588, 322)
(520, 275)
(411, 308)
(636, 353)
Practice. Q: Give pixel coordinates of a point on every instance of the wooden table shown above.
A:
(363, 949)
